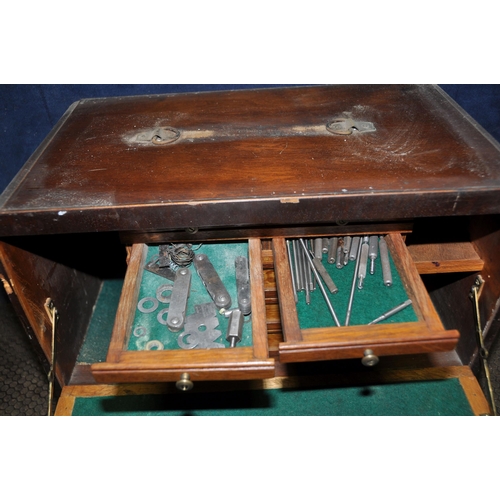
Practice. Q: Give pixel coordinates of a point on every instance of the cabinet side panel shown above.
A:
(33, 279)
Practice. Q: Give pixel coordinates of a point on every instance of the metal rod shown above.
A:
(332, 250)
(384, 259)
(298, 277)
(353, 286)
(320, 284)
(294, 286)
(391, 312)
(363, 263)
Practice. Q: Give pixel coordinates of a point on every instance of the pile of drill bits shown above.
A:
(308, 271)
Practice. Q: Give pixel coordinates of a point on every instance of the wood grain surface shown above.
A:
(257, 158)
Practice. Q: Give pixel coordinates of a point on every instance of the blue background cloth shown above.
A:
(28, 112)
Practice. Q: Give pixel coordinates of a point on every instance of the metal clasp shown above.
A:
(346, 126)
(159, 136)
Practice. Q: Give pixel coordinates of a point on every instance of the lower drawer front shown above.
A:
(311, 333)
(144, 348)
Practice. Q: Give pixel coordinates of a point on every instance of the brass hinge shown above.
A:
(53, 317)
(474, 295)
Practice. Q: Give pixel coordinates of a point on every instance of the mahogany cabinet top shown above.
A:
(251, 158)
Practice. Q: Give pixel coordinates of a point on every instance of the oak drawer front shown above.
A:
(318, 339)
(144, 349)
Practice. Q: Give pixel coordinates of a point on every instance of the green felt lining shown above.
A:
(96, 343)
(369, 303)
(422, 398)
(222, 256)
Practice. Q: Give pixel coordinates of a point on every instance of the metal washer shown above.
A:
(147, 310)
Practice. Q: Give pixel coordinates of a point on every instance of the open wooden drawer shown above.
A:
(424, 333)
(129, 359)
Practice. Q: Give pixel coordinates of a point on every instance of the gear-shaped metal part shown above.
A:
(201, 329)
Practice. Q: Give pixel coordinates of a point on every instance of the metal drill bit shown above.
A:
(320, 284)
(373, 252)
(353, 286)
(354, 247)
(332, 250)
(294, 285)
(363, 264)
(391, 312)
(384, 260)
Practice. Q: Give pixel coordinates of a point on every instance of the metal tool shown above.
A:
(200, 329)
(363, 262)
(354, 247)
(325, 245)
(373, 252)
(318, 248)
(384, 260)
(353, 286)
(235, 327)
(298, 279)
(324, 274)
(289, 247)
(320, 284)
(340, 255)
(243, 285)
(332, 250)
(391, 312)
(212, 281)
(347, 249)
(178, 300)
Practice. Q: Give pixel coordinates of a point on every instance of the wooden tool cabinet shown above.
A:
(117, 175)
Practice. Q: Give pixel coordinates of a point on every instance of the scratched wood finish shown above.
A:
(202, 364)
(256, 158)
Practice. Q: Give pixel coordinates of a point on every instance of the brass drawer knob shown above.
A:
(369, 358)
(184, 383)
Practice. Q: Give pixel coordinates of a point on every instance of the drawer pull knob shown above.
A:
(369, 358)
(184, 383)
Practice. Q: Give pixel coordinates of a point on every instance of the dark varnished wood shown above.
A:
(251, 158)
(32, 279)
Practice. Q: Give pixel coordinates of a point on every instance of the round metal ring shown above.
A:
(160, 315)
(140, 331)
(159, 293)
(166, 135)
(147, 310)
(154, 345)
